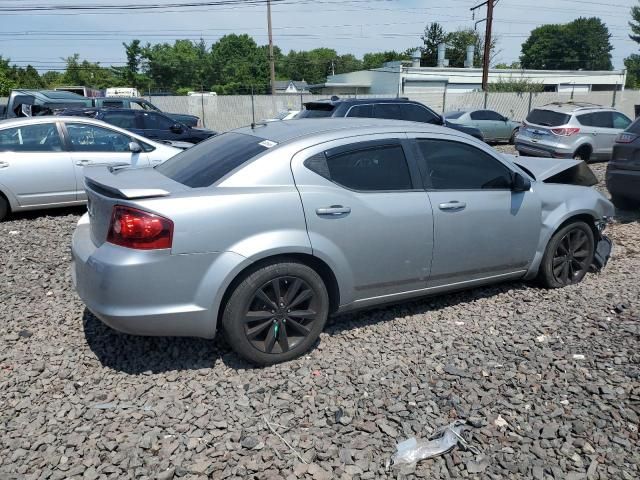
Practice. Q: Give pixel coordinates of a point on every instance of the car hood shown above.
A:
(543, 168)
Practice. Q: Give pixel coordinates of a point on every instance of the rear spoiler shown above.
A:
(105, 181)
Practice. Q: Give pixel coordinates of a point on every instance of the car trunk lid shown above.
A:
(107, 187)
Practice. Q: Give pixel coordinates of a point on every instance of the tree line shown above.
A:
(236, 64)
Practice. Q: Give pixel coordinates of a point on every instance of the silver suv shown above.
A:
(571, 130)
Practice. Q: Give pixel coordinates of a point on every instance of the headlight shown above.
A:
(602, 223)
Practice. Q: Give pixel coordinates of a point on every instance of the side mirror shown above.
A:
(176, 128)
(134, 147)
(520, 183)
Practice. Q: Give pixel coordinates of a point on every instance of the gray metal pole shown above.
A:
(530, 100)
(272, 64)
(204, 123)
(444, 99)
(615, 91)
(253, 110)
(486, 98)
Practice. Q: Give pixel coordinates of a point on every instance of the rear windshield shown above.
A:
(634, 127)
(453, 115)
(316, 110)
(207, 162)
(547, 118)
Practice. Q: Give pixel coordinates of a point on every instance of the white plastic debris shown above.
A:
(500, 422)
(14, 232)
(413, 450)
(578, 357)
(541, 339)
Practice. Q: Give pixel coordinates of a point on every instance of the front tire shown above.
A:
(568, 256)
(276, 313)
(512, 140)
(4, 208)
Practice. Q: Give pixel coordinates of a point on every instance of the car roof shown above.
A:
(52, 94)
(358, 101)
(570, 107)
(286, 130)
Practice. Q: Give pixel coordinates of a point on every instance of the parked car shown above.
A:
(283, 115)
(263, 232)
(571, 130)
(623, 171)
(154, 125)
(32, 103)
(42, 159)
(142, 104)
(387, 108)
(494, 126)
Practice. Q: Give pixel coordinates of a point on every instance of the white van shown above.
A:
(122, 92)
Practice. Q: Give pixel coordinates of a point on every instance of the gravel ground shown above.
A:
(548, 382)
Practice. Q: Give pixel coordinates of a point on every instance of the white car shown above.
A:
(284, 115)
(42, 158)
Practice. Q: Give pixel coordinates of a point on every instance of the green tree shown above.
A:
(457, 43)
(238, 64)
(6, 81)
(87, 73)
(433, 36)
(52, 79)
(27, 77)
(347, 63)
(632, 62)
(377, 59)
(169, 67)
(505, 66)
(581, 44)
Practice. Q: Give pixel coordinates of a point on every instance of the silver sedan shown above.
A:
(263, 232)
(42, 158)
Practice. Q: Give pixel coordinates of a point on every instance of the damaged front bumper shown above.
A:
(604, 247)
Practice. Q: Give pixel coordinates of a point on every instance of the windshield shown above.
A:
(316, 110)
(207, 162)
(548, 118)
(453, 115)
(148, 106)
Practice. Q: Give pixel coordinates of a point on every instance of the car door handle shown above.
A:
(333, 210)
(453, 205)
(84, 163)
(4, 164)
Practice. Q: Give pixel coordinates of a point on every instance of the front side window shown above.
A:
(493, 116)
(92, 138)
(126, 120)
(41, 137)
(458, 166)
(207, 162)
(153, 121)
(390, 111)
(416, 113)
(379, 168)
(620, 120)
(603, 119)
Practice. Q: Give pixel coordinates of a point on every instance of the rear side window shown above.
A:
(458, 166)
(363, 111)
(453, 115)
(380, 168)
(547, 118)
(316, 110)
(207, 162)
(42, 137)
(620, 120)
(155, 121)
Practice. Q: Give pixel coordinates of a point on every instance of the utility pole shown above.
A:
(272, 64)
(487, 40)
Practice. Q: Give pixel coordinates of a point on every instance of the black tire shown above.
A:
(570, 252)
(4, 208)
(265, 332)
(512, 140)
(624, 203)
(583, 153)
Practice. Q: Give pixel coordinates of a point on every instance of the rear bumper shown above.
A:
(541, 150)
(623, 183)
(149, 292)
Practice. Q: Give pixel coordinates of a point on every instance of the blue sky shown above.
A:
(354, 26)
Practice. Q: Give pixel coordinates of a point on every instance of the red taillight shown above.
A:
(565, 132)
(626, 137)
(133, 228)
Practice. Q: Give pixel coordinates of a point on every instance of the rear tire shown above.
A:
(512, 140)
(624, 203)
(4, 208)
(276, 313)
(568, 256)
(583, 153)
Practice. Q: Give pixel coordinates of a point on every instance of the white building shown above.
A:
(396, 78)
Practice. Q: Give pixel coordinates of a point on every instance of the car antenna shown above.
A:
(258, 124)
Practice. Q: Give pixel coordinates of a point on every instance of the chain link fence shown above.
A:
(226, 112)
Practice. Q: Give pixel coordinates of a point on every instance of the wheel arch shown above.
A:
(319, 266)
(584, 147)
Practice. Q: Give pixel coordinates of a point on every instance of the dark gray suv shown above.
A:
(387, 108)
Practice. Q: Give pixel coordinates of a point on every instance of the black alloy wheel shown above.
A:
(276, 313)
(572, 257)
(281, 315)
